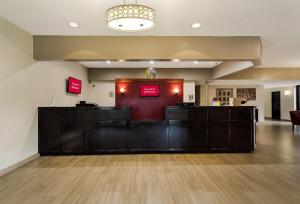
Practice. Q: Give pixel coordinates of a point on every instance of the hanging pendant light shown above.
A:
(130, 17)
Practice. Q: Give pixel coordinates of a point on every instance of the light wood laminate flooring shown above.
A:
(269, 175)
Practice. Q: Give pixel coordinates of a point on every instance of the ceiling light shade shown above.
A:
(130, 17)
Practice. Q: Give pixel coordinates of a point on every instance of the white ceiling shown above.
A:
(145, 64)
(276, 21)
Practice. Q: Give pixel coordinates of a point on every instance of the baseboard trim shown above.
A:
(18, 164)
(268, 118)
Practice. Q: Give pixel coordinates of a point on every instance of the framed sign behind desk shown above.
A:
(248, 93)
(223, 95)
(149, 90)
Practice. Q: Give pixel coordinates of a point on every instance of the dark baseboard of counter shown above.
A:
(137, 152)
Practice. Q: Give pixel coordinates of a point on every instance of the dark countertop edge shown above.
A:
(122, 108)
(100, 107)
(207, 107)
(147, 121)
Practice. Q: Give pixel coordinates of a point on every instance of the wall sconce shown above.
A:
(176, 91)
(287, 92)
(122, 91)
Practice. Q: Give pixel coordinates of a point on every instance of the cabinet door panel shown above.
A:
(198, 116)
(50, 138)
(178, 114)
(218, 114)
(50, 130)
(179, 137)
(50, 116)
(241, 115)
(73, 139)
(118, 115)
(147, 137)
(188, 138)
(95, 138)
(116, 138)
(241, 135)
(198, 137)
(218, 138)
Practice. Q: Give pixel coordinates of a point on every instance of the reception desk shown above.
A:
(69, 131)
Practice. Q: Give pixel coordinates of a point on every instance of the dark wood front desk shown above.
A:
(68, 131)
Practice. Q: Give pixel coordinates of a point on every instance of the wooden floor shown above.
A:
(270, 175)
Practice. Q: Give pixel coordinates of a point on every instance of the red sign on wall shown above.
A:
(74, 85)
(149, 90)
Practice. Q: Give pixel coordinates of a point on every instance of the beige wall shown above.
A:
(24, 86)
(259, 103)
(15, 49)
(287, 102)
(102, 93)
(188, 89)
(203, 95)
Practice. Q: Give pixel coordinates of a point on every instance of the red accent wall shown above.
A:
(148, 108)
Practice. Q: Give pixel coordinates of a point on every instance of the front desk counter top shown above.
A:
(70, 130)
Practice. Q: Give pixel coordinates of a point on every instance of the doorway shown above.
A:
(197, 95)
(297, 98)
(276, 110)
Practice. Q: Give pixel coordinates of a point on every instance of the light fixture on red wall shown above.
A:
(122, 91)
(176, 91)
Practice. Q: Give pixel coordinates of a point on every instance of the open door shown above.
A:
(276, 110)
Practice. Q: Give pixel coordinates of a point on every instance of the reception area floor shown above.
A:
(269, 175)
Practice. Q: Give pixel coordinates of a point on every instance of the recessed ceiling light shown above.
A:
(73, 24)
(151, 62)
(176, 60)
(196, 62)
(121, 60)
(196, 25)
(108, 62)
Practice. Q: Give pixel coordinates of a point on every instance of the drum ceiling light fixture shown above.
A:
(130, 17)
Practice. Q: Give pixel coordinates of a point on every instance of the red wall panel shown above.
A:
(148, 108)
